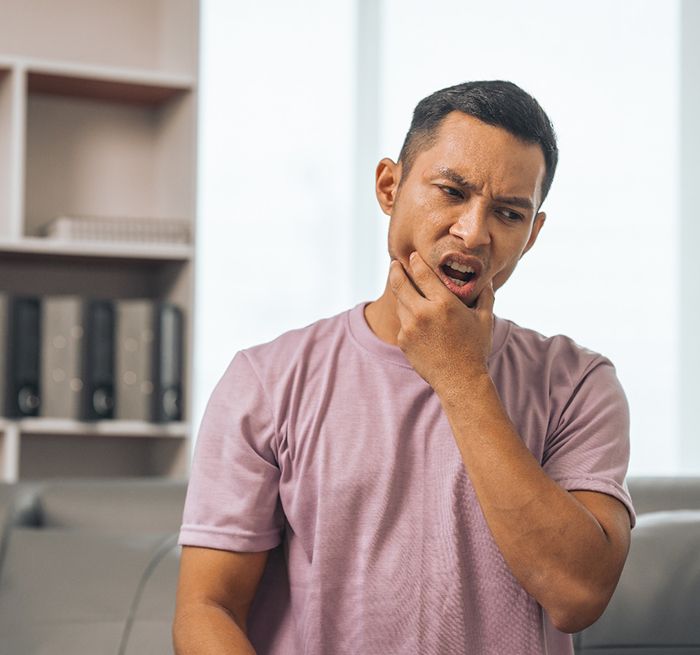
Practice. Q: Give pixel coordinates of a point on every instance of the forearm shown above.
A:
(209, 629)
(553, 545)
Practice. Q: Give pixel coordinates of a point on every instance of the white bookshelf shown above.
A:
(136, 429)
(41, 247)
(97, 118)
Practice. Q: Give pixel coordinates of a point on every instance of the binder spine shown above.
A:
(98, 361)
(134, 360)
(62, 345)
(168, 396)
(4, 349)
(23, 397)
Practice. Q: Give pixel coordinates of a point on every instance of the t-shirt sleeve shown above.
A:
(233, 494)
(589, 448)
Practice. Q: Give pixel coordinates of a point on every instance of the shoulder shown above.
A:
(559, 392)
(299, 348)
(559, 356)
(262, 379)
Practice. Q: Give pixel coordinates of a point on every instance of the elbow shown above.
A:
(571, 622)
(177, 636)
(579, 609)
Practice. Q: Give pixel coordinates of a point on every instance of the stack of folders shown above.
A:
(86, 359)
(127, 230)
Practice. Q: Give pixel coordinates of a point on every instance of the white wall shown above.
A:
(286, 134)
(275, 176)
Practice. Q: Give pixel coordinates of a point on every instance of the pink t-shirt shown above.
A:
(326, 446)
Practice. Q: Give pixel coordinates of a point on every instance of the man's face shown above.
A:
(468, 205)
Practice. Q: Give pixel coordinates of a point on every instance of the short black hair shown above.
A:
(495, 102)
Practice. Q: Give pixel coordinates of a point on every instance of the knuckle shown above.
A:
(408, 329)
(401, 340)
(420, 321)
(395, 281)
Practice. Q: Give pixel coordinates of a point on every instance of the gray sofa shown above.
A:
(656, 607)
(90, 567)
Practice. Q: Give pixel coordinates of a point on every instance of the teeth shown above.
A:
(460, 267)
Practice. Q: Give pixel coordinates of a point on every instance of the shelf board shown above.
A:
(114, 428)
(127, 85)
(42, 247)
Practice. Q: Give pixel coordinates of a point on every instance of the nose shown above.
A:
(472, 226)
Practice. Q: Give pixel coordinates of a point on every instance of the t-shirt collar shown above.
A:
(363, 335)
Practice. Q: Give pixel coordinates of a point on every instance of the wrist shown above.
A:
(463, 385)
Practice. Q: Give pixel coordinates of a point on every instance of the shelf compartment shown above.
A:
(160, 34)
(95, 277)
(93, 157)
(43, 456)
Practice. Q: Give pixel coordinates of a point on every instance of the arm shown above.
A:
(214, 594)
(566, 549)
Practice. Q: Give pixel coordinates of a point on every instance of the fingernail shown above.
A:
(413, 256)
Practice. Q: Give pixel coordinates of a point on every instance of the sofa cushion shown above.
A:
(150, 626)
(659, 494)
(7, 497)
(138, 506)
(657, 602)
(59, 588)
(18, 505)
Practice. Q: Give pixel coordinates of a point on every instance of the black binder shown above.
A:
(98, 360)
(4, 349)
(23, 393)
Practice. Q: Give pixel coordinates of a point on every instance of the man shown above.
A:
(426, 478)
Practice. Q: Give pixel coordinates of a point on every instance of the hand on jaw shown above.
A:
(447, 343)
(552, 540)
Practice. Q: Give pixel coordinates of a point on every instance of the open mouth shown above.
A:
(460, 274)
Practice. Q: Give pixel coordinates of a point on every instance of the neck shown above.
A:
(382, 318)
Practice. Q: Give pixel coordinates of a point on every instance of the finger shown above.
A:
(404, 314)
(424, 277)
(486, 299)
(401, 285)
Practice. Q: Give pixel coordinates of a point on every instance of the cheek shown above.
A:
(502, 276)
(402, 242)
(505, 268)
(409, 232)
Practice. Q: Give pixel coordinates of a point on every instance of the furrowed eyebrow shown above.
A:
(456, 178)
(516, 201)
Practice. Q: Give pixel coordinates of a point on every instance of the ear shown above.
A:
(387, 178)
(536, 227)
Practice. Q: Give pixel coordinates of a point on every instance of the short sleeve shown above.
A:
(233, 494)
(589, 447)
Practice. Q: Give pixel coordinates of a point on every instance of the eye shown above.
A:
(451, 192)
(509, 215)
